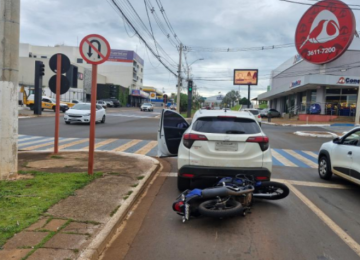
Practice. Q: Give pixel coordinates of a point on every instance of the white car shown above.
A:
(147, 107)
(102, 103)
(80, 113)
(217, 143)
(255, 112)
(341, 157)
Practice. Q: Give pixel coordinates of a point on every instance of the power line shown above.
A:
(142, 39)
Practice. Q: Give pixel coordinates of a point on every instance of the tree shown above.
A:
(244, 101)
(183, 102)
(230, 98)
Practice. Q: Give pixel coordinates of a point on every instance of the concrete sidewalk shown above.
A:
(81, 224)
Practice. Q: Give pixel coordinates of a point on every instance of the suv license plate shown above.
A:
(226, 146)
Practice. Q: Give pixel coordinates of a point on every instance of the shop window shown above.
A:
(333, 91)
(79, 60)
(313, 96)
(349, 91)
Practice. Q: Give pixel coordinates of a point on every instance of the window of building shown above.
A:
(141, 80)
(44, 57)
(141, 69)
(79, 60)
(349, 91)
(333, 91)
(313, 96)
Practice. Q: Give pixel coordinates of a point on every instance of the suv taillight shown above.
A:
(259, 116)
(189, 139)
(263, 141)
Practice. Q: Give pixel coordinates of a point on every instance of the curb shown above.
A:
(309, 134)
(97, 246)
(299, 125)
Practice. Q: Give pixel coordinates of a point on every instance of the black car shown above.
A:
(114, 100)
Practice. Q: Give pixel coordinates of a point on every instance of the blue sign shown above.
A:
(295, 84)
(125, 56)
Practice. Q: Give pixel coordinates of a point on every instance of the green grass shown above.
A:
(184, 114)
(23, 201)
(263, 106)
(57, 157)
(236, 108)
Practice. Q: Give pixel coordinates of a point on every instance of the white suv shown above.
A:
(255, 112)
(218, 143)
(341, 157)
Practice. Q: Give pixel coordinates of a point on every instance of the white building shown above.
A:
(124, 68)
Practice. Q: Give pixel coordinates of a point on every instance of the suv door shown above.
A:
(342, 154)
(171, 129)
(355, 157)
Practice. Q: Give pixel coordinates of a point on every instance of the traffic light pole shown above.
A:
(57, 105)
(38, 90)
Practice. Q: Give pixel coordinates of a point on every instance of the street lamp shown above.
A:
(188, 69)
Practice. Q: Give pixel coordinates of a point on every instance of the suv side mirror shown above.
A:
(336, 140)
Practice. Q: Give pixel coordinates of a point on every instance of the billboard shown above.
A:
(124, 56)
(246, 77)
(325, 31)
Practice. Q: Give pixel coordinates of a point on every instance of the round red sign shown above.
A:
(325, 31)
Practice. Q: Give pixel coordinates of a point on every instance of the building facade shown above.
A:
(124, 68)
(331, 89)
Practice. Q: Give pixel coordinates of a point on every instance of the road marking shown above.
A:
(168, 174)
(126, 146)
(314, 184)
(34, 142)
(328, 221)
(301, 158)
(108, 141)
(28, 138)
(311, 154)
(46, 144)
(147, 148)
(61, 147)
(282, 159)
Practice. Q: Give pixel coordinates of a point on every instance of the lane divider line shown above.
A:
(147, 148)
(97, 145)
(314, 184)
(62, 147)
(282, 159)
(126, 146)
(347, 239)
(301, 158)
(47, 144)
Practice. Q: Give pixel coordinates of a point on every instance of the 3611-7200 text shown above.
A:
(322, 51)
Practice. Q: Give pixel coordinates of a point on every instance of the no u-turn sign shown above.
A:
(94, 49)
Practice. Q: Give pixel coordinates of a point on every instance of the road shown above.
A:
(316, 221)
(121, 123)
(309, 224)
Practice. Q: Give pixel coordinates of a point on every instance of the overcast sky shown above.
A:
(197, 23)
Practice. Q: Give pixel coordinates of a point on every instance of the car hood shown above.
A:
(77, 112)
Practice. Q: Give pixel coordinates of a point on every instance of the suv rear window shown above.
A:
(226, 125)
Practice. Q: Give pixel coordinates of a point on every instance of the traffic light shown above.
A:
(190, 86)
(42, 69)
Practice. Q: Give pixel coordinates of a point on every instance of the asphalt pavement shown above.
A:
(318, 220)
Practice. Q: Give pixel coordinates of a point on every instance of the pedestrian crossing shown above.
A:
(281, 157)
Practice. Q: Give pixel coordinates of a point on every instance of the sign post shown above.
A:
(59, 63)
(94, 49)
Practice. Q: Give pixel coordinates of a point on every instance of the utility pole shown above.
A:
(9, 66)
(179, 81)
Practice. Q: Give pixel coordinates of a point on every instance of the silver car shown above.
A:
(147, 107)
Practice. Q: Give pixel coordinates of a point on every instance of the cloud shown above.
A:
(210, 23)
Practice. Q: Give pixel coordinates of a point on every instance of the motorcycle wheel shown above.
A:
(212, 208)
(271, 190)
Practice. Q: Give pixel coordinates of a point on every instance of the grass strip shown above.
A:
(23, 201)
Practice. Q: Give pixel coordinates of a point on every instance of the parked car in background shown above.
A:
(273, 112)
(217, 144)
(147, 107)
(115, 102)
(76, 101)
(341, 157)
(109, 103)
(255, 112)
(102, 103)
(80, 113)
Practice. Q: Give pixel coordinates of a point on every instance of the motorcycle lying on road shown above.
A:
(230, 197)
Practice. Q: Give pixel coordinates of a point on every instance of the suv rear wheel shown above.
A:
(324, 168)
(183, 184)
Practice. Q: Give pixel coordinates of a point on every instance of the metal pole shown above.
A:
(57, 106)
(357, 114)
(249, 103)
(179, 80)
(92, 119)
(9, 66)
